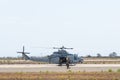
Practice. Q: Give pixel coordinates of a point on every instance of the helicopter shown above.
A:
(58, 57)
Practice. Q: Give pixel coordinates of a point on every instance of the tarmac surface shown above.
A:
(56, 68)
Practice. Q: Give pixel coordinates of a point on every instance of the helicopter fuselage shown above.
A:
(58, 57)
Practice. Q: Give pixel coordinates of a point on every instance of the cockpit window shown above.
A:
(75, 56)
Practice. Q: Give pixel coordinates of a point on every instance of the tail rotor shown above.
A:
(24, 54)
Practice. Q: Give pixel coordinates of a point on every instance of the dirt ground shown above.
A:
(61, 76)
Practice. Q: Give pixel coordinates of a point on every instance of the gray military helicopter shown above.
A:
(58, 57)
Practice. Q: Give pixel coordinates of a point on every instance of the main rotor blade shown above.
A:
(61, 48)
(68, 48)
(55, 48)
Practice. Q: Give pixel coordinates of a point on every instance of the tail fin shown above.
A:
(24, 54)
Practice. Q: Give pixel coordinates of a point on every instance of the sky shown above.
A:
(88, 26)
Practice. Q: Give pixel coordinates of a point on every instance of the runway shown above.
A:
(56, 68)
